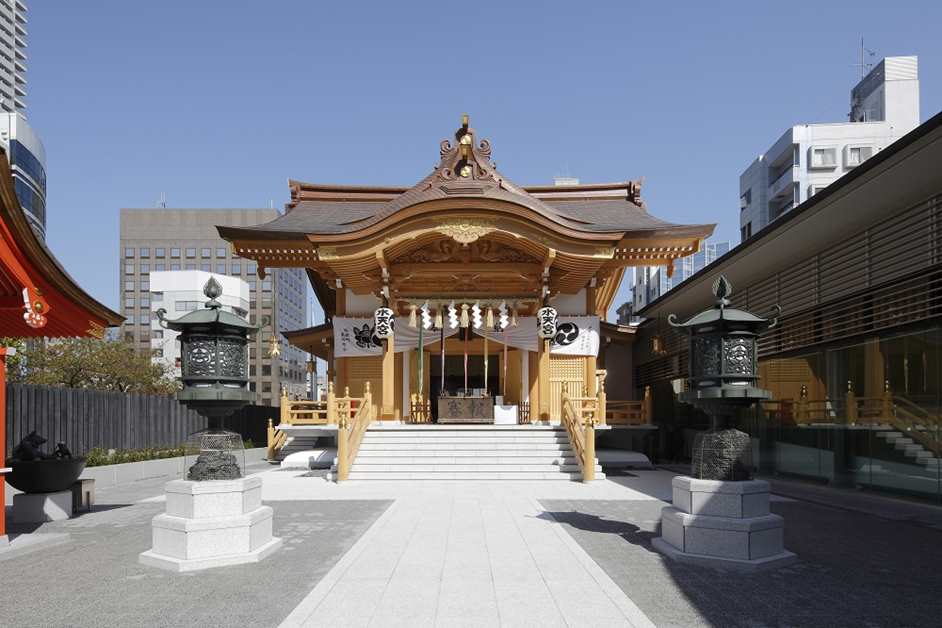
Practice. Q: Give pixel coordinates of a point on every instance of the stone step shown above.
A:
(498, 475)
(465, 461)
(464, 453)
(912, 450)
(889, 435)
(365, 446)
(465, 468)
(901, 443)
(471, 438)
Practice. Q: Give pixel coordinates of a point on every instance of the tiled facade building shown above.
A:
(186, 239)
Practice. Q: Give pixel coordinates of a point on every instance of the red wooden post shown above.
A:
(3, 438)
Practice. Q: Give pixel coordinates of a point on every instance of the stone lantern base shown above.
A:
(719, 523)
(213, 523)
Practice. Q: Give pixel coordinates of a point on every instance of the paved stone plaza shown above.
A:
(475, 554)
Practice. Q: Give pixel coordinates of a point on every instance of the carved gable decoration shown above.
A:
(479, 250)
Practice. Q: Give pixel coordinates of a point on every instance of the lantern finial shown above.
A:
(722, 289)
(212, 290)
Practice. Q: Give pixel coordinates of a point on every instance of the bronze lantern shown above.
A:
(723, 378)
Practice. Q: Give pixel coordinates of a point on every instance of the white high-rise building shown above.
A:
(808, 157)
(12, 57)
(179, 292)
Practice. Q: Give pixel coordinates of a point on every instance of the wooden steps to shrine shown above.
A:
(465, 452)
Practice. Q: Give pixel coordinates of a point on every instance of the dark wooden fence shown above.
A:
(85, 419)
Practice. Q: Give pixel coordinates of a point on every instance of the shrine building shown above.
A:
(466, 298)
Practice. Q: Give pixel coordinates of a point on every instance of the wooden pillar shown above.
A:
(406, 384)
(388, 411)
(874, 374)
(3, 438)
(331, 367)
(544, 379)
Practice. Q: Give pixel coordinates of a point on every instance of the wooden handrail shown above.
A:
(354, 417)
(581, 433)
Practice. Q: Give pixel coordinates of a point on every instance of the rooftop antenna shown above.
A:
(864, 54)
(163, 200)
(271, 204)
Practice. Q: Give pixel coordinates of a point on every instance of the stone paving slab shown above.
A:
(854, 569)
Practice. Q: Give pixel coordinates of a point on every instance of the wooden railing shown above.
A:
(354, 417)
(304, 412)
(579, 421)
(629, 412)
(420, 409)
(887, 409)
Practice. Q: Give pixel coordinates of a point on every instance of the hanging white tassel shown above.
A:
(439, 319)
(513, 316)
(412, 321)
(464, 315)
(426, 316)
(489, 318)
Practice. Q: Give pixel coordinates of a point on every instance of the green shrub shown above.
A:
(248, 443)
(98, 457)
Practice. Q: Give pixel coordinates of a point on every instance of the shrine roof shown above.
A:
(465, 172)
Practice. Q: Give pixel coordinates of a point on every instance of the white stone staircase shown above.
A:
(466, 452)
(910, 448)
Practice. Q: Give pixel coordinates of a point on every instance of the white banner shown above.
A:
(355, 337)
(575, 335)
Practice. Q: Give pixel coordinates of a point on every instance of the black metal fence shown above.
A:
(84, 419)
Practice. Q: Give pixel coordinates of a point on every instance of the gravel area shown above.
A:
(95, 579)
(855, 570)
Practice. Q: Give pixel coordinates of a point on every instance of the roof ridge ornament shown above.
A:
(464, 160)
(213, 290)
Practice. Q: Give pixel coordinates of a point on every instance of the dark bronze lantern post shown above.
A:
(723, 378)
(214, 372)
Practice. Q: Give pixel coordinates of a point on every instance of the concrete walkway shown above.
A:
(464, 554)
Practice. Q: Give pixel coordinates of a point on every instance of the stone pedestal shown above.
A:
(42, 507)
(214, 523)
(721, 523)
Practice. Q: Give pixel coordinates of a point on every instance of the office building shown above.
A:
(808, 157)
(158, 240)
(12, 55)
(181, 291)
(653, 281)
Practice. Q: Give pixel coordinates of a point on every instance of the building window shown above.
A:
(191, 253)
(129, 269)
(129, 286)
(252, 284)
(746, 199)
(266, 370)
(158, 334)
(266, 387)
(825, 157)
(221, 269)
(157, 296)
(206, 252)
(266, 285)
(856, 155)
(206, 268)
(190, 267)
(160, 252)
(174, 267)
(145, 301)
(745, 232)
(129, 318)
(145, 252)
(174, 252)
(250, 267)
(145, 284)
(145, 268)
(221, 252)
(129, 252)
(128, 301)
(236, 268)
(159, 266)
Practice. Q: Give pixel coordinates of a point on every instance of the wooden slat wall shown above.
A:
(867, 283)
(85, 419)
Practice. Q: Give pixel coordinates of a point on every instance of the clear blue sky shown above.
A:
(218, 103)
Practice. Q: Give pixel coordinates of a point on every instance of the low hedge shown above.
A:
(98, 457)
